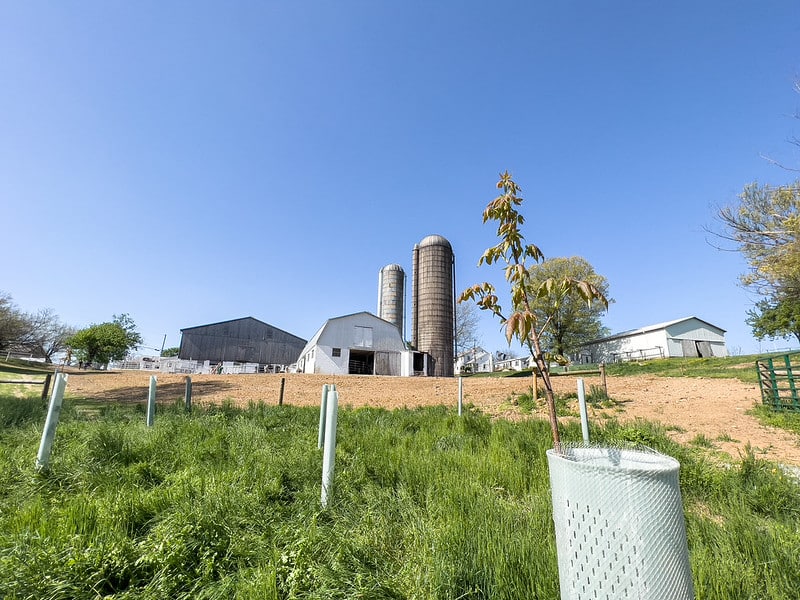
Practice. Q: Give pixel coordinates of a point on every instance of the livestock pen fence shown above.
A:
(193, 367)
(776, 378)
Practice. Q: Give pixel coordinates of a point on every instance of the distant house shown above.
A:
(245, 340)
(688, 337)
(360, 344)
(474, 360)
(517, 363)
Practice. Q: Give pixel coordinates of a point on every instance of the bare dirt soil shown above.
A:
(714, 408)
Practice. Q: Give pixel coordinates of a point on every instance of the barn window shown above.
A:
(336, 352)
(363, 337)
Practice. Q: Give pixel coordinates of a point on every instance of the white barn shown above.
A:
(689, 337)
(360, 344)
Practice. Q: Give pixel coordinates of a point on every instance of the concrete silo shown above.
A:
(391, 294)
(432, 302)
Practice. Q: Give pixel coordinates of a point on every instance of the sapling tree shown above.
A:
(520, 321)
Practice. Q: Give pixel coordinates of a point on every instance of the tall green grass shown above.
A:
(736, 367)
(224, 503)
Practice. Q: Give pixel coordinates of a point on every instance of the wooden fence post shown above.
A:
(46, 386)
(280, 398)
(602, 367)
(188, 394)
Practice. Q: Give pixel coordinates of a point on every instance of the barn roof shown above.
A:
(316, 336)
(656, 327)
(242, 319)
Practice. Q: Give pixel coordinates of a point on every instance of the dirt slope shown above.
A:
(715, 408)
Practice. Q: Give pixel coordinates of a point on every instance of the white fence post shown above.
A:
(322, 404)
(584, 413)
(50, 424)
(329, 454)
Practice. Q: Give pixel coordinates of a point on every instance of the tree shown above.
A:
(12, 322)
(131, 335)
(765, 226)
(106, 341)
(45, 335)
(40, 333)
(467, 320)
(521, 322)
(571, 320)
(168, 352)
(775, 318)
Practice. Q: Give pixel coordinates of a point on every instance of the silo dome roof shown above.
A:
(392, 267)
(435, 240)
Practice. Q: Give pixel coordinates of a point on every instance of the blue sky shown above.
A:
(193, 162)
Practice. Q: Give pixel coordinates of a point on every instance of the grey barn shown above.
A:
(245, 340)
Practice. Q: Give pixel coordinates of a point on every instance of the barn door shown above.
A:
(704, 349)
(696, 348)
(387, 363)
(689, 348)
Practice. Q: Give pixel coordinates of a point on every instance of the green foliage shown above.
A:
(572, 321)
(522, 322)
(765, 225)
(106, 341)
(776, 317)
(789, 421)
(174, 351)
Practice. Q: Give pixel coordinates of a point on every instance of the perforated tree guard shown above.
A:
(619, 525)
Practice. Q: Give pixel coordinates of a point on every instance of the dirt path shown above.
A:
(714, 408)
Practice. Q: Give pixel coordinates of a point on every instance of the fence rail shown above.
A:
(45, 383)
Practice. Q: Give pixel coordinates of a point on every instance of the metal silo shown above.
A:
(391, 294)
(432, 302)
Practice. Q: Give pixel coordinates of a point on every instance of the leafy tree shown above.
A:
(168, 352)
(775, 318)
(466, 327)
(571, 321)
(132, 336)
(106, 341)
(521, 322)
(765, 226)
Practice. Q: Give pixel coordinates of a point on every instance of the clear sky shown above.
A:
(189, 162)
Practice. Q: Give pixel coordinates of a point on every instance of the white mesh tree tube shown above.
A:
(619, 525)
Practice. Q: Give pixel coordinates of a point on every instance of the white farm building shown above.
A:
(360, 344)
(474, 360)
(689, 337)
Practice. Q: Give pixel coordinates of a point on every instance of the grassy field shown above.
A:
(736, 367)
(224, 503)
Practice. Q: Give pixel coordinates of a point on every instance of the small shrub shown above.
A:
(597, 393)
(702, 441)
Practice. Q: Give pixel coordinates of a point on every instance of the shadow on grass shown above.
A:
(165, 392)
(25, 369)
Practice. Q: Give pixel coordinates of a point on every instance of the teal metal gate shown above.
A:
(776, 377)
